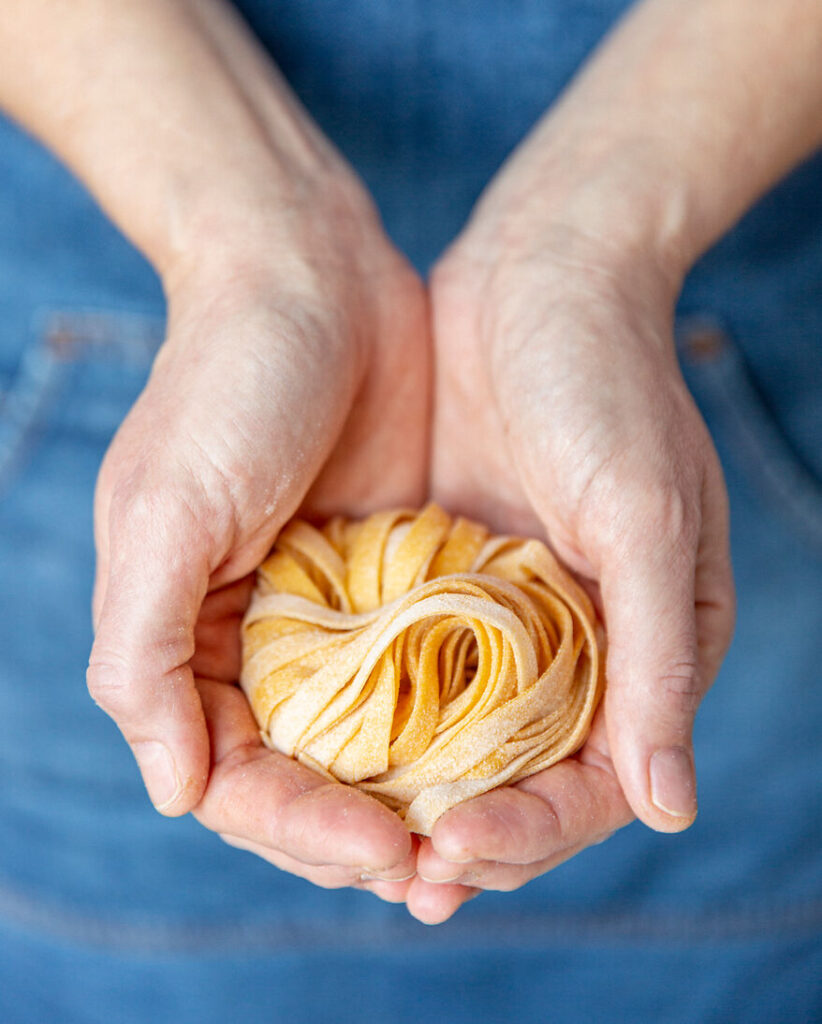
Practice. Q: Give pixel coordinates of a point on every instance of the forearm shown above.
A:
(686, 114)
(167, 111)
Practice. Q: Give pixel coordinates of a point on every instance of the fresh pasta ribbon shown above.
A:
(418, 657)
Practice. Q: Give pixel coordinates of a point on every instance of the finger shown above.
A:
(226, 602)
(654, 682)
(264, 797)
(267, 798)
(326, 876)
(496, 876)
(573, 803)
(388, 892)
(434, 904)
(138, 671)
(505, 824)
(217, 636)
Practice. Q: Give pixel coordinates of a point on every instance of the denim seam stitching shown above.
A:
(764, 454)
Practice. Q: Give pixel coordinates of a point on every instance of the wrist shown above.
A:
(313, 266)
(537, 263)
(610, 208)
(263, 220)
(185, 134)
(669, 133)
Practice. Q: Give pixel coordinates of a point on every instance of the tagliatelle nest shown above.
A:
(418, 657)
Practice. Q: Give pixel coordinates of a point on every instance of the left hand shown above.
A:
(560, 411)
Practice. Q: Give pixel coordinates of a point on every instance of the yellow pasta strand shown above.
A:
(419, 658)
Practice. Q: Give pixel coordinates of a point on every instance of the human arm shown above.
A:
(553, 318)
(295, 366)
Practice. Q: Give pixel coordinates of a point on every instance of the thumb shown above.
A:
(156, 579)
(654, 680)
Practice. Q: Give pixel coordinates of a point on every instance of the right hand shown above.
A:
(295, 375)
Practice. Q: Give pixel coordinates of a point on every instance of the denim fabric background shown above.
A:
(109, 912)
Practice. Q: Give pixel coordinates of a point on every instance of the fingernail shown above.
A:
(159, 772)
(442, 881)
(673, 785)
(401, 872)
(385, 878)
(460, 858)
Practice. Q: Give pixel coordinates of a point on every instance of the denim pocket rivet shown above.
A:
(61, 341)
(704, 343)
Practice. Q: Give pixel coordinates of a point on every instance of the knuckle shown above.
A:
(630, 505)
(166, 516)
(666, 511)
(108, 684)
(679, 682)
(123, 684)
(143, 510)
(158, 657)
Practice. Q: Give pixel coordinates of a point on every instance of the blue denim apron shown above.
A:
(111, 913)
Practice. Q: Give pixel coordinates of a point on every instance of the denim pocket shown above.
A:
(77, 366)
(718, 375)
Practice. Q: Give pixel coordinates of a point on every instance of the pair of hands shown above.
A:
(297, 374)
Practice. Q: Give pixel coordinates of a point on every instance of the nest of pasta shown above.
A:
(418, 657)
